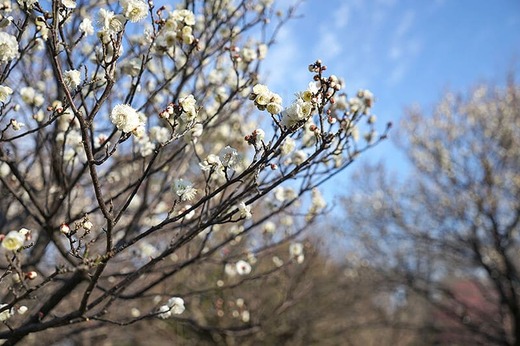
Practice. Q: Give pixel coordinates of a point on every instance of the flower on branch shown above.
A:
(265, 99)
(188, 106)
(125, 118)
(244, 210)
(5, 91)
(70, 4)
(174, 306)
(13, 241)
(134, 10)
(86, 26)
(296, 252)
(110, 23)
(230, 157)
(72, 78)
(184, 189)
(243, 267)
(6, 314)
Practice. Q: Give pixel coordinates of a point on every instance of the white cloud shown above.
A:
(329, 47)
(342, 16)
(282, 65)
(405, 24)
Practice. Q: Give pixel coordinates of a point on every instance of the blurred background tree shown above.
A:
(448, 232)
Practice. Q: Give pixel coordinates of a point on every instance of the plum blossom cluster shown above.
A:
(8, 313)
(177, 28)
(228, 158)
(265, 99)
(5, 92)
(8, 47)
(296, 252)
(186, 110)
(174, 306)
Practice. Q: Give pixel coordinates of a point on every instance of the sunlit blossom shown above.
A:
(243, 268)
(184, 189)
(13, 241)
(125, 118)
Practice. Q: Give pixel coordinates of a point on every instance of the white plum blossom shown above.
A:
(243, 267)
(296, 252)
(64, 229)
(159, 134)
(244, 210)
(177, 305)
(109, 22)
(134, 10)
(27, 3)
(164, 312)
(174, 306)
(6, 314)
(317, 203)
(259, 136)
(16, 125)
(188, 106)
(147, 250)
(212, 163)
(249, 54)
(312, 90)
(72, 78)
(185, 16)
(71, 4)
(298, 157)
(230, 270)
(262, 51)
(269, 227)
(297, 112)
(184, 189)
(288, 146)
(31, 97)
(5, 91)
(86, 27)
(229, 157)
(13, 241)
(125, 118)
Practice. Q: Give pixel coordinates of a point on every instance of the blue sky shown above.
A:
(407, 52)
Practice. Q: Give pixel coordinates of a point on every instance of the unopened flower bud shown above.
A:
(31, 275)
(64, 228)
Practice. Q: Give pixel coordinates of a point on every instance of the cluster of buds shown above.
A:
(234, 52)
(367, 99)
(265, 99)
(85, 224)
(255, 138)
(328, 85)
(186, 110)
